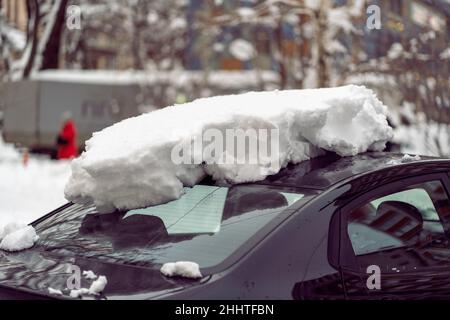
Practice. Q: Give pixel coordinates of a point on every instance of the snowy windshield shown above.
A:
(206, 225)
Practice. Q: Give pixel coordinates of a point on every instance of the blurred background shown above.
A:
(99, 61)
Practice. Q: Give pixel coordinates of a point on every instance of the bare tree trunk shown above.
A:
(34, 18)
(136, 22)
(4, 63)
(281, 64)
(321, 27)
(47, 48)
(50, 59)
(135, 49)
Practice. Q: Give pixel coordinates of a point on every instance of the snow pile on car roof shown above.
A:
(130, 164)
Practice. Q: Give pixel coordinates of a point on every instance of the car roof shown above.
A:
(322, 172)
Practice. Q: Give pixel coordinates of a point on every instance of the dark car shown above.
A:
(365, 227)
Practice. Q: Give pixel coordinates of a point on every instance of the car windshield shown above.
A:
(206, 225)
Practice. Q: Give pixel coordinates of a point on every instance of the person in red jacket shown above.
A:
(67, 138)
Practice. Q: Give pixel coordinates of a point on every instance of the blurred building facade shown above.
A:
(101, 51)
(210, 46)
(403, 20)
(100, 42)
(258, 38)
(409, 49)
(13, 20)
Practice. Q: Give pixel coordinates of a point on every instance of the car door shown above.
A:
(395, 241)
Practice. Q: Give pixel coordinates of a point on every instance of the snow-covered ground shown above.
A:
(28, 192)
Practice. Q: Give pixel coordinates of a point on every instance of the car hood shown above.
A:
(33, 272)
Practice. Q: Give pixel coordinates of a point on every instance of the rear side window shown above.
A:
(402, 230)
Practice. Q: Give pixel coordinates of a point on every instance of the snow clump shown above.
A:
(181, 269)
(54, 292)
(95, 289)
(76, 293)
(405, 159)
(17, 237)
(90, 275)
(98, 286)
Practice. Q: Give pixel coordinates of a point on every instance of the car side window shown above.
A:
(402, 231)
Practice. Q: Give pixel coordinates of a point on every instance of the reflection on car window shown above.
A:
(417, 197)
(206, 225)
(199, 210)
(403, 230)
(366, 239)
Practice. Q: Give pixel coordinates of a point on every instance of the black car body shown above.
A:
(354, 213)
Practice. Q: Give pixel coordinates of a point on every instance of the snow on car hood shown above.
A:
(131, 164)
